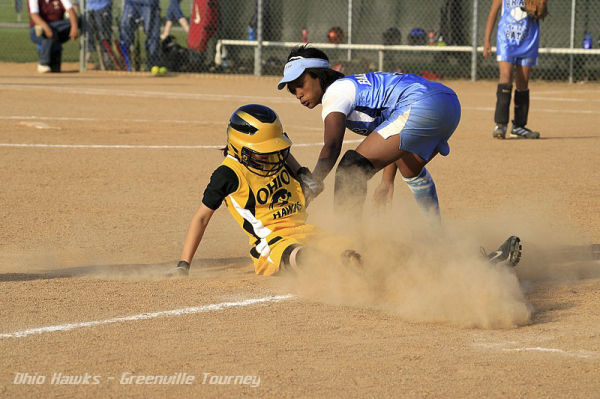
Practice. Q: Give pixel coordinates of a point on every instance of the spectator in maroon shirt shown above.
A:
(49, 29)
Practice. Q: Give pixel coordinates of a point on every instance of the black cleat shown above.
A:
(508, 254)
(182, 270)
(523, 133)
(499, 131)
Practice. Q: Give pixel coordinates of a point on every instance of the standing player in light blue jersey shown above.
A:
(406, 120)
(517, 43)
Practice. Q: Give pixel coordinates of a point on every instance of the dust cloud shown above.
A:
(425, 275)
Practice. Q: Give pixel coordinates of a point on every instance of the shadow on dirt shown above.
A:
(29, 276)
(129, 271)
(569, 138)
(567, 263)
(548, 308)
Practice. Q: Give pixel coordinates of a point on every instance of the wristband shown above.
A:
(303, 171)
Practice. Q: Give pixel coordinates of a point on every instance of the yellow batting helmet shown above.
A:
(256, 138)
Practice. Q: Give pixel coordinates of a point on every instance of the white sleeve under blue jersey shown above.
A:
(369, 99)
(339, 97)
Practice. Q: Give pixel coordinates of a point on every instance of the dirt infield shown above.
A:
(101, 173)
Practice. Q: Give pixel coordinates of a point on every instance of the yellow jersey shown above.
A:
(269, 209)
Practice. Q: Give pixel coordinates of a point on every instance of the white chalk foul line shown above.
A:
(146, 316)
(168, 147)
(88, 119)
(547, 110)
(115, 120)
(583, 355)
(152, 94)
(176, 147)
(502, 347)
(228, 97)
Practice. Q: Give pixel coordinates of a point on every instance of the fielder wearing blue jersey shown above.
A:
(406, 120)
(517, 43)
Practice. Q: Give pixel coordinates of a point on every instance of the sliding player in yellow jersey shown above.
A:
(262, 186)
(266, 191)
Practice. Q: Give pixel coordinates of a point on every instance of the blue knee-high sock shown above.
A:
(423, 189)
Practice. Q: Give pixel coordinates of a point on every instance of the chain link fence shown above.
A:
(434, 38)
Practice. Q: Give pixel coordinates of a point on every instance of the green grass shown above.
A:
(9, 15)
(16, 46)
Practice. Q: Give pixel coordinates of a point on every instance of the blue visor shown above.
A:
(295, 68)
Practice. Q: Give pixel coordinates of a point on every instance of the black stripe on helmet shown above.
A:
(239, 124)
(260, 112)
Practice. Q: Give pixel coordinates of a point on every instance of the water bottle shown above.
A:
(224, 61)
(304, 35)
(431, 38)
(588, 41)
(251, 34)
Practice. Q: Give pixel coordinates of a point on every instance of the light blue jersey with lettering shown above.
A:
(423, 112)
(518, 36)
(378, 94)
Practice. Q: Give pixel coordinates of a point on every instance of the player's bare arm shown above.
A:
(196, 232)
(192, 240)
(74, 33)
(384, 193)
(35, 17)
(293, 163)
(489, 27)
(335, 127)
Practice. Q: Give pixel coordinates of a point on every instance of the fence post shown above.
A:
(474, 41)
(349, 28)
(572, 42)
(83, 37)
(259, 36)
